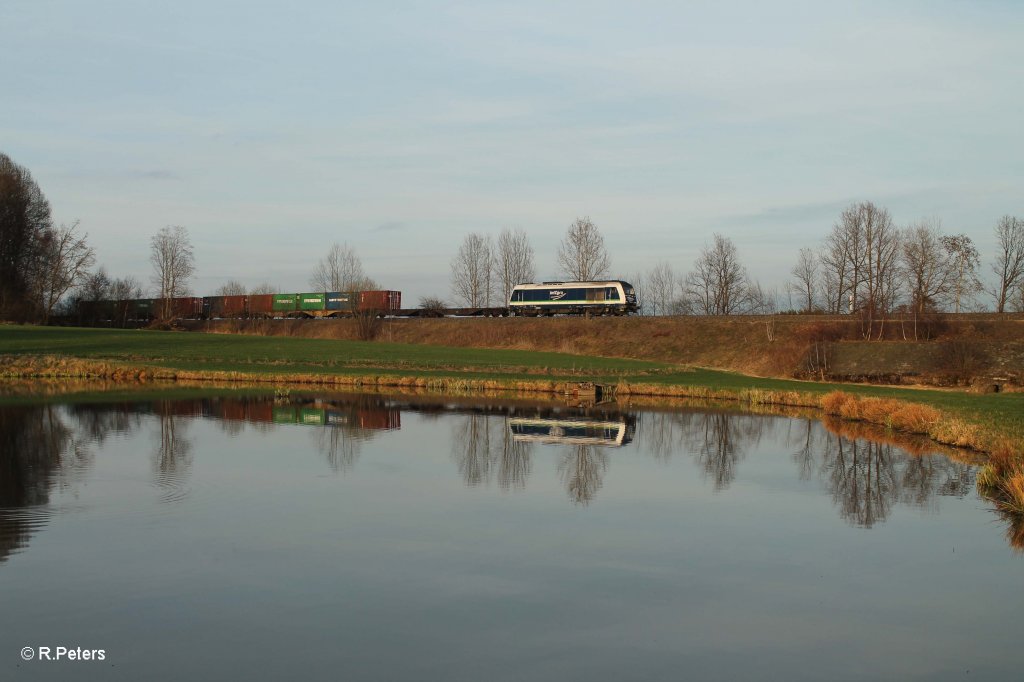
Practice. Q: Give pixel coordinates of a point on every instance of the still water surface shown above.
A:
(366, 537)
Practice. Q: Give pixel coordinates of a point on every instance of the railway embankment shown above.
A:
(983, 352)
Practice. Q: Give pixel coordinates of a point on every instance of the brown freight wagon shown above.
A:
(261, 305)
(224, 306)
(187, 308)
(385, 301)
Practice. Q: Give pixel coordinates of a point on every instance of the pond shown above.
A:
(332, 536)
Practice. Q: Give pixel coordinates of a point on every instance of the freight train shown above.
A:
(611, 297)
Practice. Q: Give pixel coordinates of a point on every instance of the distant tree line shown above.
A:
(865, 265)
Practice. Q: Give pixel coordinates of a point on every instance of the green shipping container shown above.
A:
(284, 415)
(312, 416)
(285, 301)
(312, 301)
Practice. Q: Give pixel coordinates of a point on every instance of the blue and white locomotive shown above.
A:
(612, 297)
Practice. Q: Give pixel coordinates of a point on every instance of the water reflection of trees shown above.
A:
(37, 452)
(867, 477)
(582, 469)
(718, 441)
(483, 445)
(865, 474)
(341, 445)
(172, 457)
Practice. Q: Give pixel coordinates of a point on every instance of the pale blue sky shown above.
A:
(270, 130)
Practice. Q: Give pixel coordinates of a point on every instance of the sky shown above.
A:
(271, 130)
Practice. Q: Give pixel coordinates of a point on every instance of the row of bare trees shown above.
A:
(485, 271)
(865, 265)
(870, 266)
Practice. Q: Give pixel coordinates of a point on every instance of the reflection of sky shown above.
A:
(266, 129)
(396, 570)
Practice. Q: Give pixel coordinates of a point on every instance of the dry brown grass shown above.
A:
(889, 412)
(738, 343)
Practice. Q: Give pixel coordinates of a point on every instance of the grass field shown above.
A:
(275, 355)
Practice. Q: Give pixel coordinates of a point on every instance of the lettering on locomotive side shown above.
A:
(557, 295)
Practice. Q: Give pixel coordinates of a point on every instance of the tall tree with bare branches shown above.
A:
(964, 260)
(173, 264)
(513, 260)
(842, 262)
(64, 264)
(1009, 264)
(881, 276)
(582, 254)
(718, 283)
(123, 290)
(806, 273)
(860, 263)
(473, 271)
(659, 298)
(926, 267)
(341, 270)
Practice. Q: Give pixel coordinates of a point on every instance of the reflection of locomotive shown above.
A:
(569, 431)
(613, 297)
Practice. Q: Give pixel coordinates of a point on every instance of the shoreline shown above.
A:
(900, 415)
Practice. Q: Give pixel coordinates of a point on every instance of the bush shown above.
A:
(368, 324)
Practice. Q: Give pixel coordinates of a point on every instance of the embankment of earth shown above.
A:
(982, 351)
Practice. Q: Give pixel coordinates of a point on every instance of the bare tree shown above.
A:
(881, 276)
(341, 270)
(513, 260)
(231, 288)
(926, 266)
(96, 286)
(173, 265)
(123, 290)
(582, 255)
(964, 261)
(1009, 264)
(806, 273)
(860, 263)
(718, 284)
(661, 290)
(764, 302)
(473, 271)
(266, 288)
(64, 264)
(842, 262)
